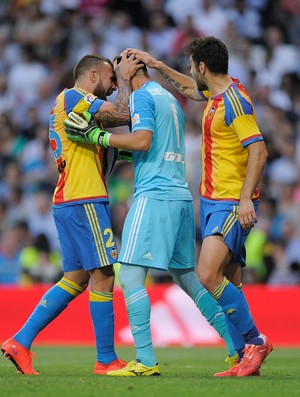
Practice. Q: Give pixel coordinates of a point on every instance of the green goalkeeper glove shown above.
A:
(110, 156)
(85, 130)
(125, 155)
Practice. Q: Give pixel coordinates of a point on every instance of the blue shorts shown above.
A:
(85, 235)
(159, 234)
(222, 218)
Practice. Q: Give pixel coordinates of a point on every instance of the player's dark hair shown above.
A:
(144, 68)
(211, 51)
(87, 62)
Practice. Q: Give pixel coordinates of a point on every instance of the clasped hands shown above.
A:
(86, 130)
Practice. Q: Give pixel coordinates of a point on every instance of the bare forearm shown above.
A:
(117, 113)
(184, 84)
(121, 102)
(128, 142)
(255, 168)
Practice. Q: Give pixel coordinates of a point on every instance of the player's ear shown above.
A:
(202, 67)
(93, 76)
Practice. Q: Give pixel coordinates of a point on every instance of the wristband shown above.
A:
(106, 139)
(103, 138)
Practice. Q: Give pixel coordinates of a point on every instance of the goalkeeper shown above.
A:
(159, 230)
(81, 212)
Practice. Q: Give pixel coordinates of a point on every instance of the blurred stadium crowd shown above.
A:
(41, 40)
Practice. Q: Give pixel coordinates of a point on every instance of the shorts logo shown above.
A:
(215, 229)
(114, 253)
(148, 256)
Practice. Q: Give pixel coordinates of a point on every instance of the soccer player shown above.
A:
(81, 213)
(233, 159)
(159, 230)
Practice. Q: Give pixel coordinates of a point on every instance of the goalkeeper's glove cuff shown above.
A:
(103, 138)
(125, 155)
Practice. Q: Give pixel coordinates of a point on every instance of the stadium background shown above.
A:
(40, 41)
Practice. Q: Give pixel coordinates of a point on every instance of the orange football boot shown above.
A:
(19, 356)
(102, 369)
(233, 371)
(254, 355)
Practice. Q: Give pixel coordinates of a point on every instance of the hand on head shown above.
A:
(127, 66)
(142, 56)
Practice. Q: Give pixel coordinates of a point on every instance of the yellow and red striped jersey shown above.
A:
(228, 127)
(79, 165)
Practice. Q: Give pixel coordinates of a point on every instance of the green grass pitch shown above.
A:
(186, 372)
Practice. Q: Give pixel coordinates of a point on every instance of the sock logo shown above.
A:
(230, 311)
(134, 328)
(44, 302)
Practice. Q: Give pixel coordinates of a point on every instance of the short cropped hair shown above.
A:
(87, 62)
(144, 68)
(211, 51)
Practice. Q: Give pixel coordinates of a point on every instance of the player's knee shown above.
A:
(132, 277)
(207, 279)
(80, 278)
(124, 279)
(84, 285)
(102, 279)
(107, 271)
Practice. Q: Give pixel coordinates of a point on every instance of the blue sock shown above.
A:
(138, 307)
(55, 300)
(138, 310)
(102, 313)
(237, 338)
(253, 336)
(234, 306)
(188, 280)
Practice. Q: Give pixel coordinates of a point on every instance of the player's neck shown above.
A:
(138, 82)
(84, 87)
(219, 84)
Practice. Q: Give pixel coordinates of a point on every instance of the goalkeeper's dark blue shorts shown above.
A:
(86, 237)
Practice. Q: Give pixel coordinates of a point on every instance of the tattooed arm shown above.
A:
(186, 85)
(113, 114)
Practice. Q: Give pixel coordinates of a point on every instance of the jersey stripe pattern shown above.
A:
(81, 178)
(228, 127)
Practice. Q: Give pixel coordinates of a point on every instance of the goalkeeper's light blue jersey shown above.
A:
(160, 173)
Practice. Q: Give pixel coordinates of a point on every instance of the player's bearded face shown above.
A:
(106, 83)
(101, 91)
(198, 77)
(201, 85)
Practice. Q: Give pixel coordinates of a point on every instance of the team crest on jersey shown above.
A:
(211, 112)
(114, 253)
(89, 98)
(135, 120)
